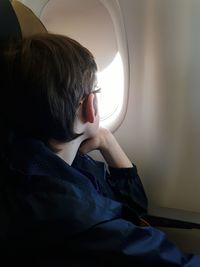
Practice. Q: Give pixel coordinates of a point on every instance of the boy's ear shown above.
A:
(89, 109)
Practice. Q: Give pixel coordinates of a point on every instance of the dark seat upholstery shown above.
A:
(9, 25)
(17, 21)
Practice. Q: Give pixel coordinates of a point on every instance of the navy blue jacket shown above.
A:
(53, 214)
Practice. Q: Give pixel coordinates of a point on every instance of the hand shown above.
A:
(98, 142)
(105, 142)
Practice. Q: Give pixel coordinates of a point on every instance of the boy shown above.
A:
(58, 206)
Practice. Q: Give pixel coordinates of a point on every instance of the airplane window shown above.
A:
(111, 99)
(97, 25)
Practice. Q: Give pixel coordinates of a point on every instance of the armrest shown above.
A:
(173, 218)
(159, 221)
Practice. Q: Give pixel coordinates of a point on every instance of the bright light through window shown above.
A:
(111, 81)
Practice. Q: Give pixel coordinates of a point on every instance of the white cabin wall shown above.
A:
(161, 129)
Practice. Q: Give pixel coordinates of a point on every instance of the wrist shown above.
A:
(112, 152)
(107, 141)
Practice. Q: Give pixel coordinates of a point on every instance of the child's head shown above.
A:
(47, 77)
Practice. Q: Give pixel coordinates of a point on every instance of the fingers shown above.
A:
(84, 148)
(96, 142)
(88, 145)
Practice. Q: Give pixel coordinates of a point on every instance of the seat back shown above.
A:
(9, 25)
(17, 21)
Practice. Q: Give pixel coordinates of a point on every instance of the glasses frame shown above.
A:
(96, 91)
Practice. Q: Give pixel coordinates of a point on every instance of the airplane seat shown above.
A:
(9, 25)
(17, 21)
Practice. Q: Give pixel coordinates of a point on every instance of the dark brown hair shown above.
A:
(47, 75)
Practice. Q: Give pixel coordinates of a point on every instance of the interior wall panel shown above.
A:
(162, 117)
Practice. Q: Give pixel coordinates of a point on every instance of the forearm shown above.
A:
(113, 153)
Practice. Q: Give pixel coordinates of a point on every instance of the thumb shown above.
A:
(88, 145)
(85, 147)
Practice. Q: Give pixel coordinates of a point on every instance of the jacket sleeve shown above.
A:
(121, 241)
(128, 188)
(87, 224)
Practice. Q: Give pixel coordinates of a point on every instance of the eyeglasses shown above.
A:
(96, 91)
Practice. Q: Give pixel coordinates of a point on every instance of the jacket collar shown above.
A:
(33, 157)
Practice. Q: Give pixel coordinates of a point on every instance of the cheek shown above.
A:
(96, 110)
(98, 121)
(95, 105)
(93, 128)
